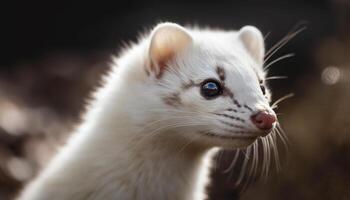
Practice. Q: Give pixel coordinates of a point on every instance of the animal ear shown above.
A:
(167, 40)
(254, 42)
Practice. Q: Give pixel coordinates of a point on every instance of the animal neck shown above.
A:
(151, 166)
(167, 169)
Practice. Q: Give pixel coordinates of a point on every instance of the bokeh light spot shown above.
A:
(331, 75)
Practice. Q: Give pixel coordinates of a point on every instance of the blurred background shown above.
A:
(53, 53)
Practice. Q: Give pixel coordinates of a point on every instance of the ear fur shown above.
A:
(253, 41)
(167, 40)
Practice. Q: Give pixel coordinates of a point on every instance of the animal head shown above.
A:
(206, 85)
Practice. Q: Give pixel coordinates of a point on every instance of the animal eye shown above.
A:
(263, 89)
(211, 89)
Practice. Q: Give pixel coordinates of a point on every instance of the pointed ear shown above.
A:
(254, 42)
(167, 40)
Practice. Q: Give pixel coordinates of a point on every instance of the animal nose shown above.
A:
(263, 120)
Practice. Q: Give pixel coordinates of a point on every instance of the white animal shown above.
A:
(166, 102)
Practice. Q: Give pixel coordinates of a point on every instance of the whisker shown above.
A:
(263, 142)
(253, 160)
(246, 154)
(277, 60)
(274, 151)
(219, 156)
(233, 163)
(276, 45)
(282, 99)
(256, 156)
(267, 35)
(274, 136)
(283, 136)
(268, 158)
(284, 139)
(275, 77)
(244, 166)
(281, 43)
(254, 166)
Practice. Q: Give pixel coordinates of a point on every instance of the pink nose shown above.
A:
(263, 120)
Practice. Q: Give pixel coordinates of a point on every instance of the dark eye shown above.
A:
(263, 89)
(211, 89)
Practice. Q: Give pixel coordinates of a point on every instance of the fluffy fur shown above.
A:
(149, 134)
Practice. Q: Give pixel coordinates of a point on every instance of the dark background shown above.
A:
(53, 53)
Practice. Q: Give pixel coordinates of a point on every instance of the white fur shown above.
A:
(132, 145)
